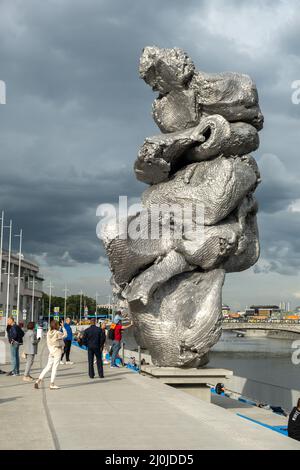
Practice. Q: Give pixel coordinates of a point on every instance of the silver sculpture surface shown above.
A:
(173, 284)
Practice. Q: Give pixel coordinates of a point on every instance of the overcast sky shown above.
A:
(77, 112)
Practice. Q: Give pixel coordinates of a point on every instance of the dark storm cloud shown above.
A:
(77, 110)
(280, 243)
(279, 187)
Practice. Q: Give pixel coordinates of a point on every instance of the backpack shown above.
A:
(111, 332)
(20, 334)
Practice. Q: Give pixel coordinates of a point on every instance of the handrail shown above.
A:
(278, 322)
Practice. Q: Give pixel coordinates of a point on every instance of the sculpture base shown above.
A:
(195, 382)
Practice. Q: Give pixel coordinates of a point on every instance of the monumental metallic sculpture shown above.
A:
(173, 284)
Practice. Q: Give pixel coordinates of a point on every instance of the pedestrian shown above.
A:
(39, 330)
(94, 339)
(30, 344)
(15, 338)
(68, 341)
(294, 422)
(117, 338)
(104, 349)
(55, 343)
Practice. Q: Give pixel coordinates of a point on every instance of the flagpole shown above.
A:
(50, 295)
(1, 247)
(8, 272)
(19, 273)
(65, 306)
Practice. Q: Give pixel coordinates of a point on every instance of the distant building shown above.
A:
(29, 274)
(105, 306)
(264, 310)
(249, 312)
(225, 310)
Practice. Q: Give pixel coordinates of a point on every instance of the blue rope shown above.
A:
(280, 429)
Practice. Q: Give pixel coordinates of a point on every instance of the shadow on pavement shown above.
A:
(5, 400)
(229, 403)
(88, 382)
(70, 374)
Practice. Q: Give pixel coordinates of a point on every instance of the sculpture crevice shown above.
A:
(172, 282)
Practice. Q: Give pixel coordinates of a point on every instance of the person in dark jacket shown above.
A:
(15, 338)
(294, 422)
(68, 342)
(94, 339)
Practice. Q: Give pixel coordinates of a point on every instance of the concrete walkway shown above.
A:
(266, 417)
(122, 411)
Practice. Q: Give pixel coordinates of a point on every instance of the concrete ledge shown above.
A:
(175, 374)
(195, 382)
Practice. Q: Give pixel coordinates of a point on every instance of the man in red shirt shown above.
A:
(116, 344)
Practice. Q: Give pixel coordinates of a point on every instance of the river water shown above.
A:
(265, 362)
(258, 358)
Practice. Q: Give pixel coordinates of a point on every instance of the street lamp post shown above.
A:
(50, 295)
(109, 308)
(65, 306)
(1, 247)
(80, 306)
(8, 270)
(19, 273)
(33, 292)
(96, 310)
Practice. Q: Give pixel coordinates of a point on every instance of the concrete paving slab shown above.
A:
(124, 410)
(253, 412)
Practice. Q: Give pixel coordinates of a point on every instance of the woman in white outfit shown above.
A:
(55, 343)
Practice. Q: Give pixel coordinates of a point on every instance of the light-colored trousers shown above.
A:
(29, 362)
(53, 363)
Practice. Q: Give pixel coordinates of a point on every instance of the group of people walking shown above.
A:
(59, 342)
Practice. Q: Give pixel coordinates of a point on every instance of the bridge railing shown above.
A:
(245, 320)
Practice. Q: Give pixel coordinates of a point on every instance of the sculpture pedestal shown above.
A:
(195, 382)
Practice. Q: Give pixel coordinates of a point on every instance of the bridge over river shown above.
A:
(261, 325)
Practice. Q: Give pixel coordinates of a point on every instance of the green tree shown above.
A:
(55, 302)
(73, 305)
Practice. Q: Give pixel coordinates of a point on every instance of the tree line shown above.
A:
(73, 305)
